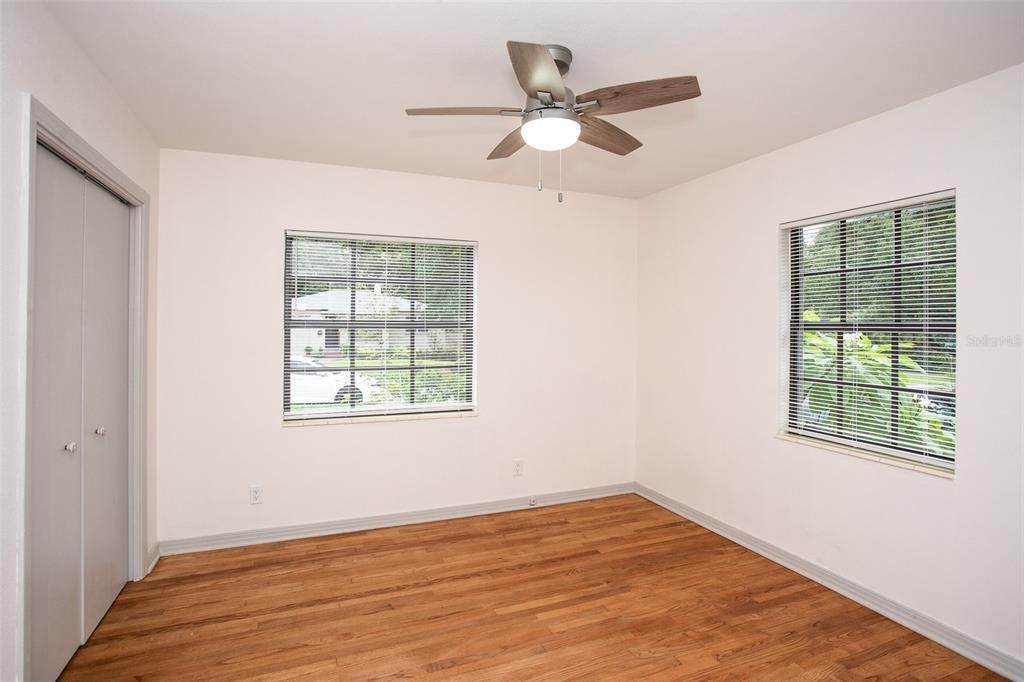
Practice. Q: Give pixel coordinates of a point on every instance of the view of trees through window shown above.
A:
(377, 326)
(873, 329)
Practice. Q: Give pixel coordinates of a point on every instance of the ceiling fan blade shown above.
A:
(618, 99)
(512, 143)
(536, 70)
(603, 135)
(464, 111)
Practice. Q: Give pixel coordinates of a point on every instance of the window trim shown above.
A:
(871, 455)
(390, 417)
(413, 411)
(790, 346)
(870, 208)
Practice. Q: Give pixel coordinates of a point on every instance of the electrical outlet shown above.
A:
(517, 467)
(256, 494)
(533, 501)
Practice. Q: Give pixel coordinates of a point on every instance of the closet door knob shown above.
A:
(101, 431)
(71, 447)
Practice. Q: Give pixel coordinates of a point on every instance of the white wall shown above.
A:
(41, 59)
(556, 337)
(710, 355)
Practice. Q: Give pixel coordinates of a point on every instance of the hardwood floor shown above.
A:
(611, 589)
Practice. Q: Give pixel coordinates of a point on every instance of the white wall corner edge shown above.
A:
(309, 530)
(992, 658)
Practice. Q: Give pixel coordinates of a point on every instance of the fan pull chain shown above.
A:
(540, 170)
(559, 176)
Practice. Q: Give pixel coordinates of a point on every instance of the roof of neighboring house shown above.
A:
(338, 301)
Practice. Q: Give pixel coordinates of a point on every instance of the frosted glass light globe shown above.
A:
(550, 130)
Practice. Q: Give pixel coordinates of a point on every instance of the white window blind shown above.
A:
(872, 329)
(377, 326)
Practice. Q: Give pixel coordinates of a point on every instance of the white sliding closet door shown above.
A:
(104, 403)
(78, 412)
(55, 414)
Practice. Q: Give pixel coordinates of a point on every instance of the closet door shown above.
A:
(105, 403)
(54, 578)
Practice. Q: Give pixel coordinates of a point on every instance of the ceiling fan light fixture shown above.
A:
(553, 117)
(550, 130)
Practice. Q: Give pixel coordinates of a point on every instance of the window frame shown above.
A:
(412, 411)
(790, 311)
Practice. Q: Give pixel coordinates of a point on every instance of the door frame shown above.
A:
(46, 128)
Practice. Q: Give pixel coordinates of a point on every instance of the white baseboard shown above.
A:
(988, 656)
(308, 530)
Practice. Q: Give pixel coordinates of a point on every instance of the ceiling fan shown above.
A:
(554, 118)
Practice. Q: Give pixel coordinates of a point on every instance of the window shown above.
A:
(872, 329)
(377, 326)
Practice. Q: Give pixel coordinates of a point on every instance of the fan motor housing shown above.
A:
(533, 104)
(551, 112)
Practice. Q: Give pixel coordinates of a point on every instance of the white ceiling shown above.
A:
(328, 82)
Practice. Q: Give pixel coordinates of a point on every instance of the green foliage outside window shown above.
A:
(893, 384)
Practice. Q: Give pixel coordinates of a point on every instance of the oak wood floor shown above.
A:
(611, 589)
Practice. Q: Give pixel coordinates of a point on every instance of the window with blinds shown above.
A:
(377, 326)
(872, 329)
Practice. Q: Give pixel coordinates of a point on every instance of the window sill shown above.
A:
(289, 423)
(940, 472)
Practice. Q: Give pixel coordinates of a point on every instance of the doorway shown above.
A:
(85, 393)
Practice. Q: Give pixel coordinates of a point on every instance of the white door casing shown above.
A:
(30, 528)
